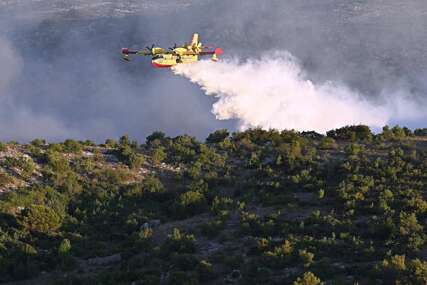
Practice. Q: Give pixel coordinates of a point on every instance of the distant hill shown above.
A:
(253, 207)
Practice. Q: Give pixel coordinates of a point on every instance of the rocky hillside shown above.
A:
(256, 207)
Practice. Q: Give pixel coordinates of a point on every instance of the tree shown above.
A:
(179, 242)
(192, 202)
(38, 142)
(398, 132)
(353, 133)
(110, 143)
(158, 154)
(5, 179)
(72, 146)
(421, 132)
(387, 133)
(152, 184)
(411, 231)
(327, 143)
(135, 160)
(155, 138)
(124, 140)
(3, 146)
(130, 157)
(218, 136)
(41, 219)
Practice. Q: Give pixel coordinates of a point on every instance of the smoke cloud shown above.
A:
(10, 64)
(274, 92)
(61, 75)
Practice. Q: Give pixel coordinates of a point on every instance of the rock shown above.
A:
(154, 223)
(144, 226)
(150, 224)
(105, 260)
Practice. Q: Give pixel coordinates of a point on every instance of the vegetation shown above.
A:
(253, 207)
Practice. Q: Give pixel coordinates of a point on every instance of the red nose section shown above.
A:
(219, 51)
(125, 51)
(158, 65)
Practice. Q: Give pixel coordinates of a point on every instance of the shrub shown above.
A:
(152, 184)
(38, 142)
(129, 157)
(64, 248)
(218, 136)
(5, 179)
(41, 219)
(158, 154)
(308, 279)
(421, 132)
(25, 164)
(72, 146)
(352, 133)
(110, 143)
(3, 146)
(155, 138)
(179, 242)
(306, 257)
(398, 132)
(135, 160)
(327, 143)
(205, 270)
(192, 199)
(190, 203)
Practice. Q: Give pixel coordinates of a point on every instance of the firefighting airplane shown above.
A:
(187, 53)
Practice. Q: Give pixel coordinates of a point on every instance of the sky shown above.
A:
(61, 75)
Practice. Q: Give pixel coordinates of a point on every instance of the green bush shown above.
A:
(41, 219)
(155, 138)
(158, 154)
(5, 179)
(72, 146)
(3, 146)
(308, 279)
(327, 143)
(421, 132)
(352, 133)
(129, 156)
(218, 136)
(152, 184)
(179, 242)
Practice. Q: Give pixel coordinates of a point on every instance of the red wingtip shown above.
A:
(219, 51)
(125, 51)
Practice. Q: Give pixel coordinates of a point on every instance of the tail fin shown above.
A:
(195, 40)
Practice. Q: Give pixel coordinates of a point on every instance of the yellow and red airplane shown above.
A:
(187, 53)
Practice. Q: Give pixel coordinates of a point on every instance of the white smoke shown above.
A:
(274, 92)
(10, 64)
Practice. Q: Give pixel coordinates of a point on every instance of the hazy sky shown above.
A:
(61, 74)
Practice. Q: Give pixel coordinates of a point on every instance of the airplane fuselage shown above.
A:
(169, 60)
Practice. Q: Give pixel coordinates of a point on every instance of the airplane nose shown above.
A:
(125, 51)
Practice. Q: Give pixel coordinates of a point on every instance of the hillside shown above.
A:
(253, 207)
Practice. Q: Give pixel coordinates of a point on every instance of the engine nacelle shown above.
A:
(158, 50)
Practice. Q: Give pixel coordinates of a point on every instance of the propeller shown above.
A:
(150, 48)
(174, 47)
